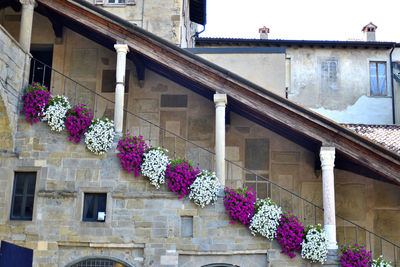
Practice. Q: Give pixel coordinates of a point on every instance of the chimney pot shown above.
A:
(369, 32)
(263, 32)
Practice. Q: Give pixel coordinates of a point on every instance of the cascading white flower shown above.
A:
(266, 218)
(205, 189)
(55, 112)
(155, 162)
(315, 245)
(100, 136)
(380, 262)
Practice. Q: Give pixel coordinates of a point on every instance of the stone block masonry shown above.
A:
(143, 226)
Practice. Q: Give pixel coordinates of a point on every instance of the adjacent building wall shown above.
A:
(265, 68)
(336, 83)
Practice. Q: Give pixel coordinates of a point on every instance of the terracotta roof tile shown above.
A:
(386, 135)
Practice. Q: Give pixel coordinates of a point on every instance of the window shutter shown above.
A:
(99, 2)
(131, 2)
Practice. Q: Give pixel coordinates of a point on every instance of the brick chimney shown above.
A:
(263, 32)
(369, 32)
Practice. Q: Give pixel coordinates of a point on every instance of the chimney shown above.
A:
(263, 33)
(369, 32)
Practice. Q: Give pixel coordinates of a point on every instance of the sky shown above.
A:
(302, 19)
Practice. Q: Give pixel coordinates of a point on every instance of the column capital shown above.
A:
(121, 48)
(28, 2)
(327, 156)
(220, 99)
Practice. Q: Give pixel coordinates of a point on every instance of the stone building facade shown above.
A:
(144, 226)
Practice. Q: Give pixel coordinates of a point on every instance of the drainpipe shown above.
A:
(391, 77)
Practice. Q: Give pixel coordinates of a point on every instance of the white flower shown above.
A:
(315, 245)
(205, 188)
(266, 218)
(55, 112)
(155, 162)
(100, 136)
(380, 262)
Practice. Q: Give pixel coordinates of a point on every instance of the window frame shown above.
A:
(117, 3)
(85, 219)
(25, 195)
(377, 78)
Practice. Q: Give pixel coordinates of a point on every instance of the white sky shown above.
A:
(302, 19)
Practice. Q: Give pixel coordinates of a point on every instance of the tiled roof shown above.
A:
(386, 135)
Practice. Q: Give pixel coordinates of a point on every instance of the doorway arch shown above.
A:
(99, 262)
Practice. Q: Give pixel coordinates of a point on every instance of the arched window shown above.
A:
(98, 262)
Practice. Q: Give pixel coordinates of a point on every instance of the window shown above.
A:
(377, 74)
(98, 263)
(329, 75)
(94, 207)
(116, 2)
(23, 196)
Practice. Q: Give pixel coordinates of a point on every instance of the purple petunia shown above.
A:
(290, 234)
(77, 121)
(355, 256)
(180, 175)
(131, 150)
(35, 100)
(239, 204)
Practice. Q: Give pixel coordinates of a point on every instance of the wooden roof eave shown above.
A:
(266, 104)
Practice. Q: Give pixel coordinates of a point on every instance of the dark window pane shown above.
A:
(93, 203)
(16, 212)
(31, 180)
(19, 186)
(23, 196)
(29, 207)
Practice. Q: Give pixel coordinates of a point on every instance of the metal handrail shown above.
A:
(270, 182)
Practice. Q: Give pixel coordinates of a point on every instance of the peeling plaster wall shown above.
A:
(336, 83)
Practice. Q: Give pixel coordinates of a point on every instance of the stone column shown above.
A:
(25, 30)
(327, 155)
(122, 50)
(220, 101)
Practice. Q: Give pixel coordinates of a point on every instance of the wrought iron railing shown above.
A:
(348, 232)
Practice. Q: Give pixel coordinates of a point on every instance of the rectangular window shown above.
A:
(94, 207)
(377, 74)
(116, 2)
(23, 196)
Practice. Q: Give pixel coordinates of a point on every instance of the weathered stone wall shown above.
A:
(13, 62)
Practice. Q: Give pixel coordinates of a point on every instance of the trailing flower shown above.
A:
(204, 190)
(100, 136)
(290, 234)
(380, 262)
(239, 204)
(315, 244)
(355, 256)
(35, 100)
(131, 150)
(155, 162)
(266, 218)
(78, 121)
(180, 175)
(55, 112)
